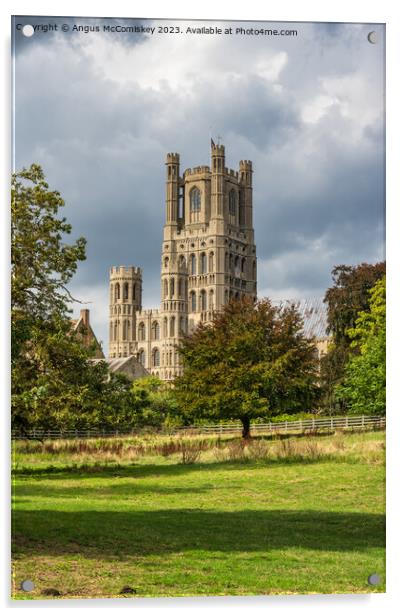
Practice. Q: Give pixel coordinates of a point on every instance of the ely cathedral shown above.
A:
(208, 256)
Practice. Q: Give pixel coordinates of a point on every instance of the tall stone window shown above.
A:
(237, 266)
(193, 301)
(242, 218)
(141, 357)
(172, 326)
(134, 291)
(125, 329)
(193, 265)
(165, 288)
(203, 299)
(165, 327)
(195, 204)
(115, 331)
(211, 262)
(232, 206)
(111, 293)
(155, 330)
(125, 290)
(172, 287)
(182, 325)
(211, 299)
(141, 332)
(156, 358)
(111, 332)
(117, 291)
(182, 262)
(203, 263)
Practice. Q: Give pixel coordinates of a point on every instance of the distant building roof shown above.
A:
(130, 366)
(313, 312)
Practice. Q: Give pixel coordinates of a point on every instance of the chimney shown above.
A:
(84, 314)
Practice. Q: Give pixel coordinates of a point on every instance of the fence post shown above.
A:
(313, 423)
(332, 423)
(362, 421)
(346, 423)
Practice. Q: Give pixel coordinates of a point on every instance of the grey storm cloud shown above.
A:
(100, 111)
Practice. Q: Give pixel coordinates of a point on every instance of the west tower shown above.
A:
(208, 257)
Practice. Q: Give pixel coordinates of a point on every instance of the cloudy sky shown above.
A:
(100, 110)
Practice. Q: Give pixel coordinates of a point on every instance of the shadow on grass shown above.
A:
(132, 469)
(120, 534)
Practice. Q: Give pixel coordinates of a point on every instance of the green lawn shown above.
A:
(211, 528)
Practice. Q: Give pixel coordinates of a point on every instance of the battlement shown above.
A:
(202, 169)
(130, 271)
(246, 165)
(172, 158)
(149, 312)
(217, 150)
(231, 173)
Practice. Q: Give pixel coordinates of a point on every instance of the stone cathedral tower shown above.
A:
(208, 258)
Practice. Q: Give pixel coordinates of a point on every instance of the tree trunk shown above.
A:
(246, 426)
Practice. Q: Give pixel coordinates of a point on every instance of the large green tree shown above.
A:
(54, 385)
(346, 298)
(252, 361)
(363, 387)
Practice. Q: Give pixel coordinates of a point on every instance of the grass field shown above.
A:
(294, 516)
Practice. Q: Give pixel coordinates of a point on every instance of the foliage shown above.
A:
(156, 401)
(363, 387)
(42, 263)
(348, 296)
(252, 361)
(54, 385)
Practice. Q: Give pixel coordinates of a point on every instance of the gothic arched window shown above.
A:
(156, 358)
(203, 298)
(211, 262)
(165, 327)
(155, 330)
(237, 266)
(193, 265)
(134, 291)
(232, 203)
(141, 357)
(171, 287)
(141, 332)
(211, 299)
(172, 326)
(203, 263)
(181, 285)
(117, 291)
(193, 302)
(125, 290)
(195, 199)
(165, 288)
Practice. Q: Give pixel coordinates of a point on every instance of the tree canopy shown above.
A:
(363, 387)
(252, 361)
(54, 385)
(346, 299)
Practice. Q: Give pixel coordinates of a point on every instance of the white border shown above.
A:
(291, 10)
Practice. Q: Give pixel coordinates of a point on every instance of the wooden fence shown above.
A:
(361, 422)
